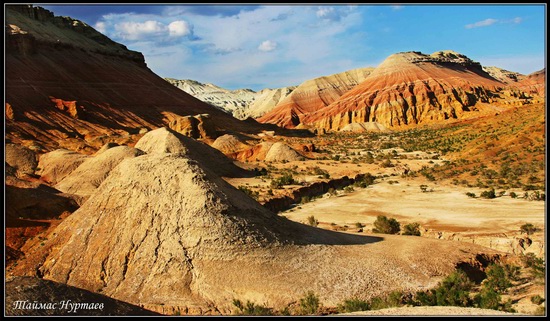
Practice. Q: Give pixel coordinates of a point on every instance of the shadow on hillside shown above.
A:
(305, 235)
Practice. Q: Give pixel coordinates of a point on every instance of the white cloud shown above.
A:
(101, 27)
(130, 30)
(267, 45)
(483, 23)
(332, 14)
(180, 28)
(490, 21)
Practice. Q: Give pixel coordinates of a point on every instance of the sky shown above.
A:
(271, 46)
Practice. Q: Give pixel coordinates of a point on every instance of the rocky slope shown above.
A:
(241, 103)
(412, 88)
(534, 83)
(312, 95)
(503, 75)
(204, 243)
(69, 86)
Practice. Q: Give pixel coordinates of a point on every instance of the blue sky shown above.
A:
(270, 46)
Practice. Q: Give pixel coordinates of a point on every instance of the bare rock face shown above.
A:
(22, 292)
(198, 126)
(228, 144)
(20, 158)
(313, 95)
(534, 83)
(364, 127)
(85, 179)
(503, 75)
(55, 165)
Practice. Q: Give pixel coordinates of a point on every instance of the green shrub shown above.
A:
(385, 225)
(489, 194)
(513, 195)
(537, 299)
(454, 290)
(536, 265)
(512, 271)
(528, 228)
(286, 179)
(312, 221)
(353, 305)
(309, 304)
(497, 278)
(251, 308)
(488, 298)
(249, 192)
(411, 229)
(470, 194)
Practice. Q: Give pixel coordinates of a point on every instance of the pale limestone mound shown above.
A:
(364, 127)
(281, 152)
(93, 171)
(22, 159)
(56, 165)
(164, 140)
(229, 144)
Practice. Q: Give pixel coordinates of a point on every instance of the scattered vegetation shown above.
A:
(411, 229)
(254, 194)
(286, 179)
(528, 228)
(385, 225)
(251, 308)
(352, 305)
(309, 304)
(311, 220)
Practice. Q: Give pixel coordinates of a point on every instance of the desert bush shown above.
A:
(385, 225)
(535, 263)
(537, 299)
(513, 195)
(497, 278)
(249, 192)
(309, 304)
(364, 180)
(488, 298)
(512, 271)
(470, 194)
(489, 194)
(453, 290)
(359, 225)
(251, 308)
(353, 305)
(411, 229)
(311, 220)
(528, 228)
(286, 179)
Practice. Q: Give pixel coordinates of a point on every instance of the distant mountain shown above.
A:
(241, 103)
(412, 88)
(312, 95)
(504, 75)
